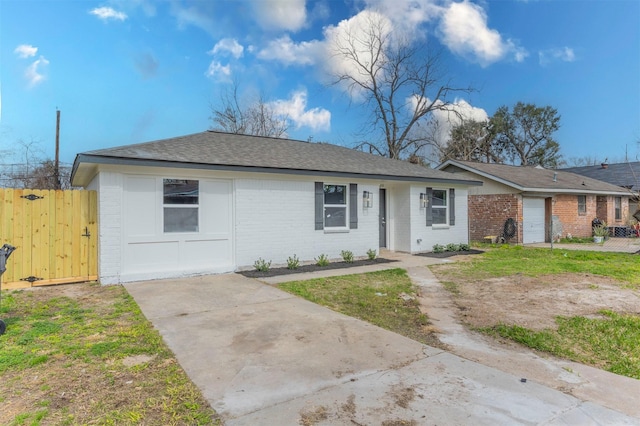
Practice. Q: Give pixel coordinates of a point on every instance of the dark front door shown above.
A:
(383, 217)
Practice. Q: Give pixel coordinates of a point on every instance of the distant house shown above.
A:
(216, 202)
(626, 175)
(541, 202)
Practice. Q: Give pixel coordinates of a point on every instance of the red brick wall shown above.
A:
(488, 213)
(565, 209)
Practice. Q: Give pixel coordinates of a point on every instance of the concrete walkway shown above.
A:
(262, 356)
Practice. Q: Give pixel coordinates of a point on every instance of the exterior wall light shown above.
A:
(367, 199)
(423, 200)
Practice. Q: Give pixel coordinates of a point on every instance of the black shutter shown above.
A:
(452, 206)
(319, 205)
(353, 206)
(428, 209)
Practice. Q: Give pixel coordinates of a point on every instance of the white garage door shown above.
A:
(153, 248)
(533, 220)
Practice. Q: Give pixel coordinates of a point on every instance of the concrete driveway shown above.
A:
(265, 357)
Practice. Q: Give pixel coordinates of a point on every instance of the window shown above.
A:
(439, 207)
(618, 207)
(582, 205)
(180, 201)
(335, 206)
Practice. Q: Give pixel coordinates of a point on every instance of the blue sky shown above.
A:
(128, 71)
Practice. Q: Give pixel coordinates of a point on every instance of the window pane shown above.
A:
(618, 206)
(335, 194)
(180, 191)
(439, 216)
(335, 216)
(178, 219)
(439, 197)
(582, 204)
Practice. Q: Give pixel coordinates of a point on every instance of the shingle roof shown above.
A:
(537, 179)
(217, 150)
(626, 175)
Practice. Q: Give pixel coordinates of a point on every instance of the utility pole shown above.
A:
(56, 172)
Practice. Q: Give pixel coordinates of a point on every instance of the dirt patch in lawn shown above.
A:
(535, 302)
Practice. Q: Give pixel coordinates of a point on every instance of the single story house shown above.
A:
(215, 202)
(542, 203)
(626, 175)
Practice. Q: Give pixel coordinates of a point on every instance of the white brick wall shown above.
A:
(109, 223)
(275, 219)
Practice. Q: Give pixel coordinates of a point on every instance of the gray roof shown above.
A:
(537, 179)
(225, 151)
(626, 175)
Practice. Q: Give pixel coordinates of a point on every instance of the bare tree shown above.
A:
(399, 81)
(258, 118)
(32, 170)
(473, 141)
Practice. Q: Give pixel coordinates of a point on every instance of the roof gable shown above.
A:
(226, 151)
(536, 179)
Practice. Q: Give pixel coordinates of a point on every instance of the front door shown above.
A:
(383, 217)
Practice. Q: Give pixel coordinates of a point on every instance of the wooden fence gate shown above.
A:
(55, 235)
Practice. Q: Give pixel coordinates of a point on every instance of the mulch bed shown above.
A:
(273, 272)
(445, 254)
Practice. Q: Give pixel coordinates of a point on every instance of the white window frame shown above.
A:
(582, 212)
(345, 206)
(617, 207)
(445, 207)
(195, 206)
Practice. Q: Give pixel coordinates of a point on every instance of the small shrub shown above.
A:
(293, 262)
(438, 248)
(322, 260)
(347, 256)
(464, 247)
(371, 254)
(262, 265)
(453, 247)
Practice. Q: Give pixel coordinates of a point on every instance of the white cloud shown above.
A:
(229, 45)
(294, 109)
(25, 51)
(218, 72)
(455, 113)
(353, 35)
(285, 50)
(465, 32)
(108, 13)
(197, 15)
(288, 15)
(407, 15)
(564, 54)
(34, 72)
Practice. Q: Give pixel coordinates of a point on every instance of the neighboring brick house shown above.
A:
(541, 202)
(626, 175)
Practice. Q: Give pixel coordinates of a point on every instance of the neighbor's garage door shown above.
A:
(533, 220)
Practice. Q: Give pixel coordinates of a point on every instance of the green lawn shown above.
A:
(373, 297)
(89, 357)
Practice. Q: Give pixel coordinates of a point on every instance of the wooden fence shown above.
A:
(55, 235)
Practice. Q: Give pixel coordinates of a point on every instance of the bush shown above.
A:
(464, 247)
(322, 260)
(371, 254)
(347, 256)
(293, 262)
(262, 265)
(453, 247)
(438, 248)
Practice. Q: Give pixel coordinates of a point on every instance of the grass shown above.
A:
(373, 297)
(611, 344)
(89, 357)
(508, 260)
